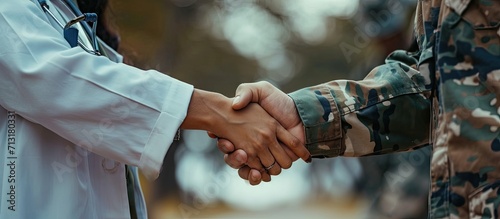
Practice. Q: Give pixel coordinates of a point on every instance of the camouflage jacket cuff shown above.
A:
(321, 118)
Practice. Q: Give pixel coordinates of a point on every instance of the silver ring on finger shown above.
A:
(271, 166)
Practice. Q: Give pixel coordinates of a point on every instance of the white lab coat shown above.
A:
(70, 121)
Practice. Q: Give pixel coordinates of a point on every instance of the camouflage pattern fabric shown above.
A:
(446, 95)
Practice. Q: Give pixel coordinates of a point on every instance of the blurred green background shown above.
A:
(217, 45)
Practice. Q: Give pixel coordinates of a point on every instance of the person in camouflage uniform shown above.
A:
(445, 95)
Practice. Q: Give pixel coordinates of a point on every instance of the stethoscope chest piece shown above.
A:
(76, 31)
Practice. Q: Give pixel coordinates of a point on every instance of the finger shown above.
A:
(254, 177)
(281, 157)
(225, 146)
(293, 144)
(244, 172)
(271, 164)
(264, 159)
(289, 152)
(274, 169)
(211, 135)
(237, 159)
(244, 95)
(264, 175)
(255, 162)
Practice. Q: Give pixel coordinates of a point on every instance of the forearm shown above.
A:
(387, 111)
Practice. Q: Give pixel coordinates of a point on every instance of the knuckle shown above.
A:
(264, 83)
(273, 123)
(296, 142)
(266, 136)
(252, 160)
(260, 143)
(241, 87)
(251, 153)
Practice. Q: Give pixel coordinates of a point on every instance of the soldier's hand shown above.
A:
(278, 105)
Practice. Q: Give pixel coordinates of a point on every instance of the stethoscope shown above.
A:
(88, 42)
(70, 32)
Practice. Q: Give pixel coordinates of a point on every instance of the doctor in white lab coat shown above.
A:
(70, 121)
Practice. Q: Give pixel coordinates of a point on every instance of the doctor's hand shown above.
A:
(277, 104)
(250, 129)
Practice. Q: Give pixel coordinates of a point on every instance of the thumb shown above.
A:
(244, 95)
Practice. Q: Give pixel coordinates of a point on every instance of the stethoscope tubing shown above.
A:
(79, 17)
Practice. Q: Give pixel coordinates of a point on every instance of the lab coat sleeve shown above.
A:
(111, 109)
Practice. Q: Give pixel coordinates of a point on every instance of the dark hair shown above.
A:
(104, 30)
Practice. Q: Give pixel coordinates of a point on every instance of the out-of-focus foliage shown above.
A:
(218, 44)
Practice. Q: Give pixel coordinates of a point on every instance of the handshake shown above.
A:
(259, 131)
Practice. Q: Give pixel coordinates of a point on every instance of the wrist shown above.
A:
(205, 111)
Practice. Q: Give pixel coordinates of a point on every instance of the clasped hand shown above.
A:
(286, 146)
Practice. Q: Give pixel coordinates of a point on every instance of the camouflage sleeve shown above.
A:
(387, 111)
